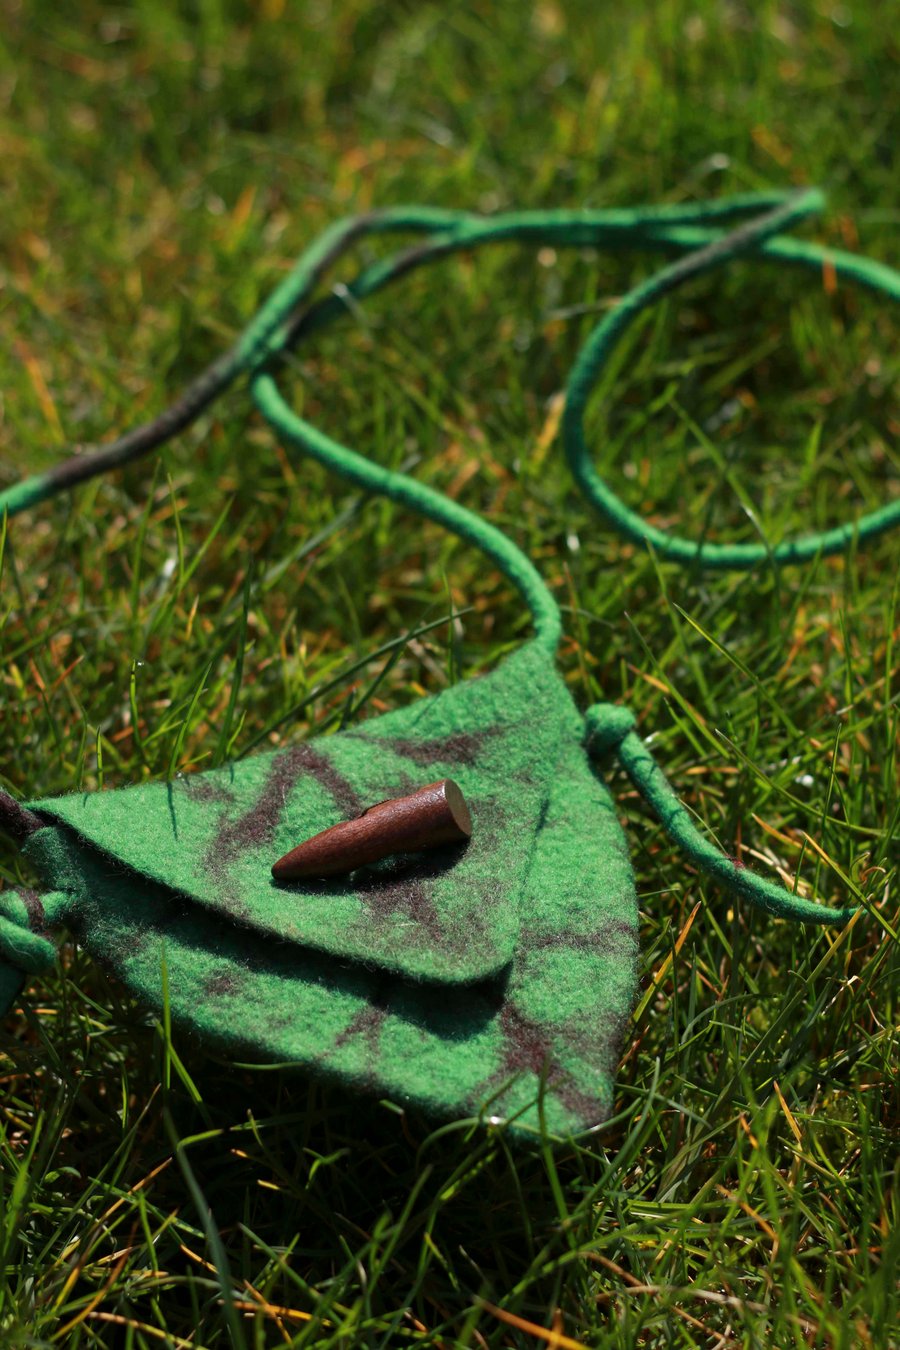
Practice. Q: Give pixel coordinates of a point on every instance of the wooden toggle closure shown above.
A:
(435, 815)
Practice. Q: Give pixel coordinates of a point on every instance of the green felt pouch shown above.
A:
(491, 978)
(455, 983)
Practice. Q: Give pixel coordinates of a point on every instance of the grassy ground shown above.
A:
(160, 166)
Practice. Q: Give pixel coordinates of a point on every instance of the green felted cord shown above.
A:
(662, 229)
(609, 729)
(285, 315)
(22, 950)
(30, 951)
(713, 252)
(419, 498)
(25, 946)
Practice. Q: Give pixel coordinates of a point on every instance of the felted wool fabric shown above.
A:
(475, 978)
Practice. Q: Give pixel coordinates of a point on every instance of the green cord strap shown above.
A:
(610, 729)
(515, 565)
(419, 498)
(258, 340)
(467, 233)
(707, 249)
(596, 353)
(691, 229)
(19, 945)
(562, 228)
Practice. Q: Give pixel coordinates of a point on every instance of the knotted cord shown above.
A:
(20, 945)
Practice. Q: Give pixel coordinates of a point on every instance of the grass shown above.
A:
(161, 164)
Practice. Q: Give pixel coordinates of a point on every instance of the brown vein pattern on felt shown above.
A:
(258, 825)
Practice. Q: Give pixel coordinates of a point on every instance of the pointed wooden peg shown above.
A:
(435, 815)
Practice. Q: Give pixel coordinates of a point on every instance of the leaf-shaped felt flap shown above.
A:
(451, 914)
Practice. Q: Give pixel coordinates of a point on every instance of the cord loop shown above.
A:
(606, 732)
(605, 727)
(20, 945)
